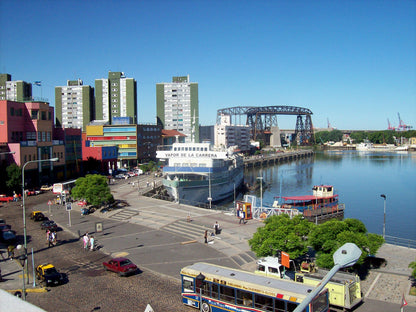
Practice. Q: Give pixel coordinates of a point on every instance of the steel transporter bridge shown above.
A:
(261, 119)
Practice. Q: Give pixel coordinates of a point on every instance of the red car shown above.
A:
(4, 198)
(122, 266)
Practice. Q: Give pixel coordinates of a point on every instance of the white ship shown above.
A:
(199, 173)
(367, 146)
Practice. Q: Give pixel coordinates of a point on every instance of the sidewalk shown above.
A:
(12, 274)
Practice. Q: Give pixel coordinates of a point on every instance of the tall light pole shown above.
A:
(347, 255)
(261, 192)
(24, 207)
(384, 223)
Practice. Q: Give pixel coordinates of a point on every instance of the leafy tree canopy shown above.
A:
(295, 235)
(412, 265)
(14, 178)
(326, 238)
(94, 189)
(281, 233)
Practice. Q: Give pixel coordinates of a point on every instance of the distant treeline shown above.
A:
(376, 137)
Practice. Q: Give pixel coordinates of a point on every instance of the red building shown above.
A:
(26, 128)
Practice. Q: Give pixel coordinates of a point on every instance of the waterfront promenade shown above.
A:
(163, 237)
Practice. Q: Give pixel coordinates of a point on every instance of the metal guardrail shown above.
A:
(398, 241)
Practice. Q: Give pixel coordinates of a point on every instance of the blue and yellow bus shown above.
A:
(213, 288)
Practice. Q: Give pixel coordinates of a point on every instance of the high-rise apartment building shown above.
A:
(14, 90)
(178, 107)
(74, 105)
(115, 96)
(227, 134)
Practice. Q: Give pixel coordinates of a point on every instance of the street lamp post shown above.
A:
(22, 260)
(24, 207)
(347, 255)
(200, 278)
(384, 223)
(261, 192)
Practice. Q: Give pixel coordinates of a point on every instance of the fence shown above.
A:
(405, 242)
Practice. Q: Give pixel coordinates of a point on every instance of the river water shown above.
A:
(359, 178)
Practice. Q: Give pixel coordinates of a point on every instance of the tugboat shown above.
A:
(322, 204)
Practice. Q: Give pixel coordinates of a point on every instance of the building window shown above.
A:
(39, 136)
(34, 114)
(11, 111)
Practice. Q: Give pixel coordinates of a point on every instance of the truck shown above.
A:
(344, 288)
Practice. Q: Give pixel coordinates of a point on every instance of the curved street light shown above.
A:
(347, 255)
(24, 207)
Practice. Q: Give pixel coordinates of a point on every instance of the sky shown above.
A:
(352, 63)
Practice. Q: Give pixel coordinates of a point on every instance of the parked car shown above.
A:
(46, 188)
(49, 225)
(8, 237)
(5, 227)
(122, 266)
(49, 275)
(5, 198)
(38, 216)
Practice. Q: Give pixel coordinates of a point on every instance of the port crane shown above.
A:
(402, 126)
(390, 126)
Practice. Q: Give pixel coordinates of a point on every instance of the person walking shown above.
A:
(10, 251)
(206, 236)
(48, 232)
(217, 229)
(86, 240)
(242, 217)
(50, 240)
(92, 243)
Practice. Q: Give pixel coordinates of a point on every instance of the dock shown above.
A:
(276, 158)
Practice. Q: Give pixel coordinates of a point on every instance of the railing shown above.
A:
(405, 242)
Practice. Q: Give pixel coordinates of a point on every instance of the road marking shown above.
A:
(372, 285)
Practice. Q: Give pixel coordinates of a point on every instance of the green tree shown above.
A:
(281, 233)
(326, 238)
(14, 178)
(94, 189)
(412, 265)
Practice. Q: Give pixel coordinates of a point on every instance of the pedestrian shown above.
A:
(217, 229)
(50, 240)
(92, 243)
(54, 238)
(206, 236)
(242, 217)
(47, 234)
(86, 239)
(10, 251)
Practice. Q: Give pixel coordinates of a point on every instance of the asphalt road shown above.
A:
(89, 287)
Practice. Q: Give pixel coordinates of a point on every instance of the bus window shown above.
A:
(244, 298)
(279, 305)
(227, 294)
(291, 306)
(261, 268)
(214, 291)
(188, 284)
(264, 303)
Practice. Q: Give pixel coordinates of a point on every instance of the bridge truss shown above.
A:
(261, 119)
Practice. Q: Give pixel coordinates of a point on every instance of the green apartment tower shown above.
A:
(115, 96)
(74, 105)
(19, 91)
(177, 107)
